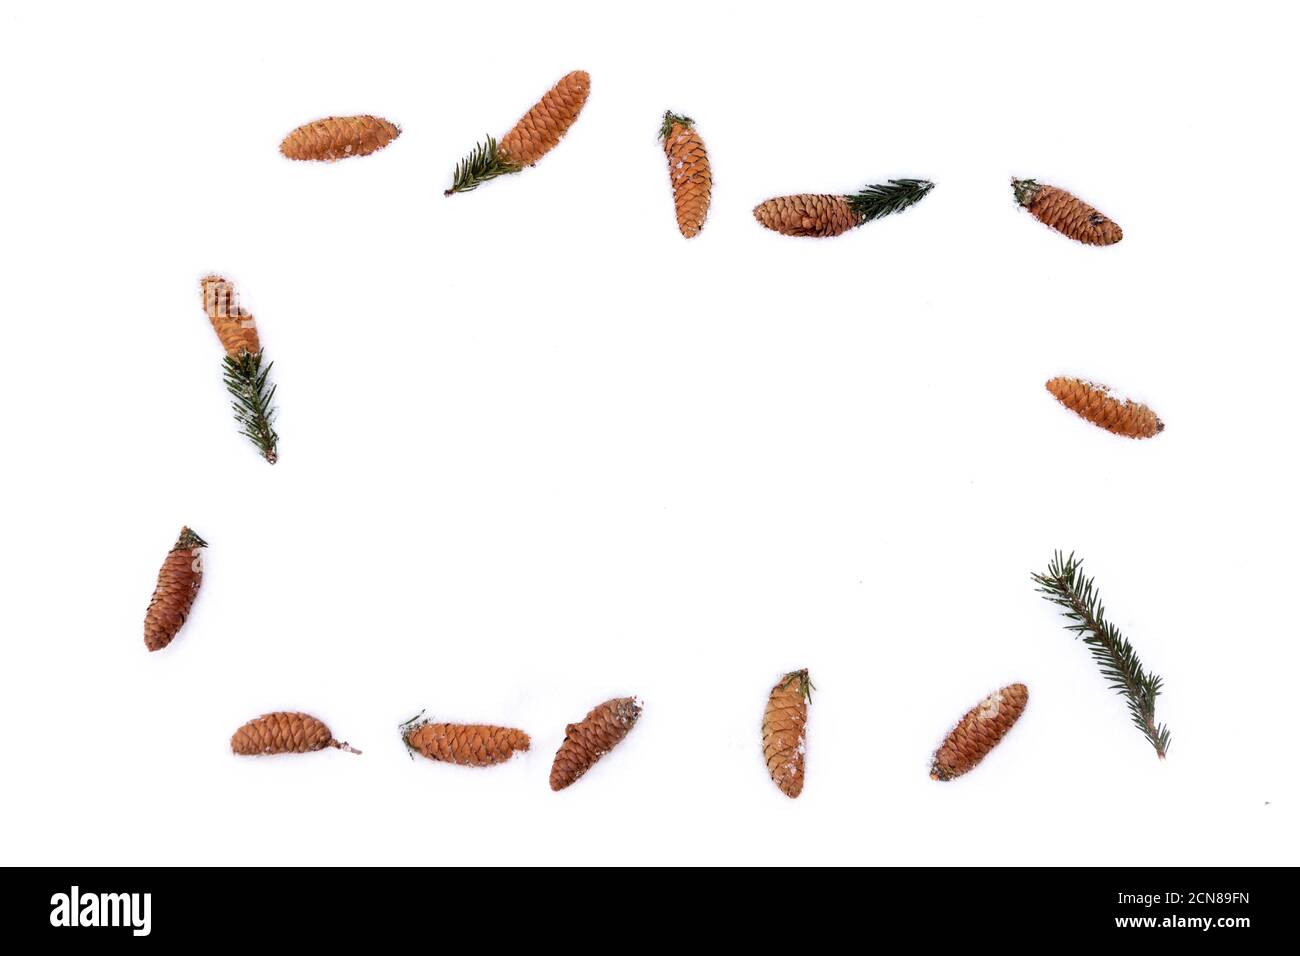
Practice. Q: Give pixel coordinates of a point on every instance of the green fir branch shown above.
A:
(891, 197)
(246, 380)
(670, 120)
(484, 163)
(1066, 587)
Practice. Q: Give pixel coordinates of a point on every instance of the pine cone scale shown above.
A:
(979, 731)
(591, 738)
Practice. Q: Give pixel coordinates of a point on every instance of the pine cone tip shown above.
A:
(188, 540)
(804, 682)
(1024, 190)
(672, 119)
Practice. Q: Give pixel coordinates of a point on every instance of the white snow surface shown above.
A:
(537, 450)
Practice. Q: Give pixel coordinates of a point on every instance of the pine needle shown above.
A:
(891, 197)
(484, 163)
(1066, 587)
(246, 380)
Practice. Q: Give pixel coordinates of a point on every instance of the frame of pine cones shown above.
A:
(785, 720)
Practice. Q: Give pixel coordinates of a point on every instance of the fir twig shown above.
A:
(1065, 586)
(484, 163)
(891, 197)
(246, 380)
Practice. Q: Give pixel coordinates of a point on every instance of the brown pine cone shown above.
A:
(593, 737)
(784, 724)
(979, 731)
(284, 732)
(470, 745)
(1094, 402)
(542, 127)
(688, 172)
(807, 214)
(339, 137)
(1066, 214)
(234, 325)
(178, 584)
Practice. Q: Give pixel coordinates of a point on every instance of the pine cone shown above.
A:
(596, 735)
(284, 732)
(244, 372)
(1094, 402)
(234, 325)
(339, 137)
(1066, 213)
(543, 126)
(807, 214)
(470, 745)
(688, 172)
(979, 731)
(784, 723)
(178, 584)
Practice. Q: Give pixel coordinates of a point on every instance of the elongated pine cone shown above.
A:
(1095, 403)
(235, 327)
(338, 137)
(808, 214)
(284, 732)
(470, 745)
(979, 731)
(688, 172)
(784, 724)
(178, 585)
(1066, 213)
(545, 124)
(590, 739)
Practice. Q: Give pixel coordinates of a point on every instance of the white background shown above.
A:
(538, 450)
